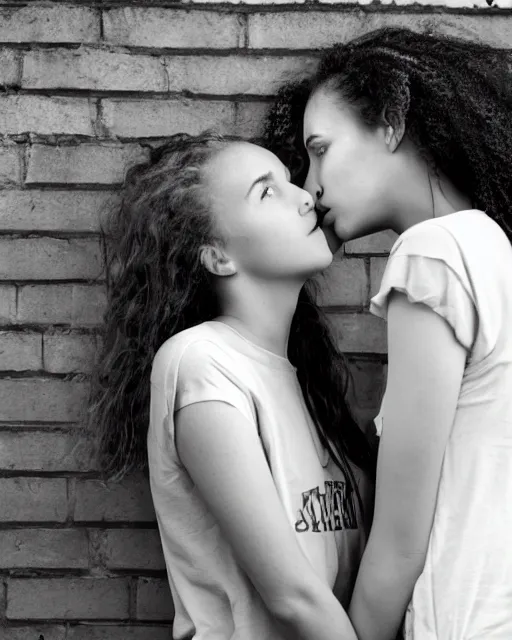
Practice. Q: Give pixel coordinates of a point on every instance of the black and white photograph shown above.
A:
(255, 320)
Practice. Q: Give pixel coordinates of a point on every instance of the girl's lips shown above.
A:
(321, 212)
(329, 218)
(317, 226)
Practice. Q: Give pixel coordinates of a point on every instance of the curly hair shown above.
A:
(157, 286)
(454, 97)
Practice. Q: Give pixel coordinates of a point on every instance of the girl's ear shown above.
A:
(394, 123)
(216, 261)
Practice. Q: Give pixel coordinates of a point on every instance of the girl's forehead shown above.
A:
(240, 162)
(325, 111)
(321, 100)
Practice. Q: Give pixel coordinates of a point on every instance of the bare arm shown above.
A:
(426, 366)
(222, 453)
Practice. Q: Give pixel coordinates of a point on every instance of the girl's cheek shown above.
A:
(327, 176)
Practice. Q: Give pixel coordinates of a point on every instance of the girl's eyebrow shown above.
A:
(263, 178)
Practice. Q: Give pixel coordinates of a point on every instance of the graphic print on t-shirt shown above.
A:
(330, 511)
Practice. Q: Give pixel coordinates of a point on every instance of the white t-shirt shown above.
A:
(213, 597)
(460, 265)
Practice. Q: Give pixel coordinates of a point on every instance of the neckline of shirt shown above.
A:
(274, 361)
(254, 351)
(435, 219)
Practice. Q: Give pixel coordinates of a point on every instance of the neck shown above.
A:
(261, 311)
(430, 196)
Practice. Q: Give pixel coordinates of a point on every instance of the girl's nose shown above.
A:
(306, 202)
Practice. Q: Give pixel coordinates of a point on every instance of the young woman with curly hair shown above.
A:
(259, 473)
(413, 132)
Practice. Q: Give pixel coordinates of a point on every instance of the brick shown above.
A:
(49, 24)
(33, 500)
(20, 351)
(67, 598)
(44, 549)
(247, 2)
(7, 304)
(154, 601)
(159, 118)
(31, 450)
(290, 30)
(87, 305)
(82, 164)
(41, 399)
(9, 66)
(34, 632)
(110, 632)
(92, 69)
(358, 332)
(377, 266)
(452, 4)
(65, 353)
(172, 28)
(74, 305)
(10, 165)
(226, 75)
(369, 380)
(49, 258)
(136, 549)
(344, 283)
(250, 118)
(374, 243)
(46, 115)
(56, 210)
(127, 501)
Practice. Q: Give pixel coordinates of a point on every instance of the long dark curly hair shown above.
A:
(157, 286)
(454, 97)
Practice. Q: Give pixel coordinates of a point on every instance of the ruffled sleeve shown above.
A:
(427, 266)
(205, 374)
(187, 372)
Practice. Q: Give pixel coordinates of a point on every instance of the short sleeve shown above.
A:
(427, 266)
(205, 373)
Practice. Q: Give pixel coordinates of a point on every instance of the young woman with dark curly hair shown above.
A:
(410, 132)
(259, 474)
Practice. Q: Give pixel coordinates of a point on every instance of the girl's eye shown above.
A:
(267, 192)
(319, 151)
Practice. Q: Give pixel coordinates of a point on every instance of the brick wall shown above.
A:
(88, 86)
